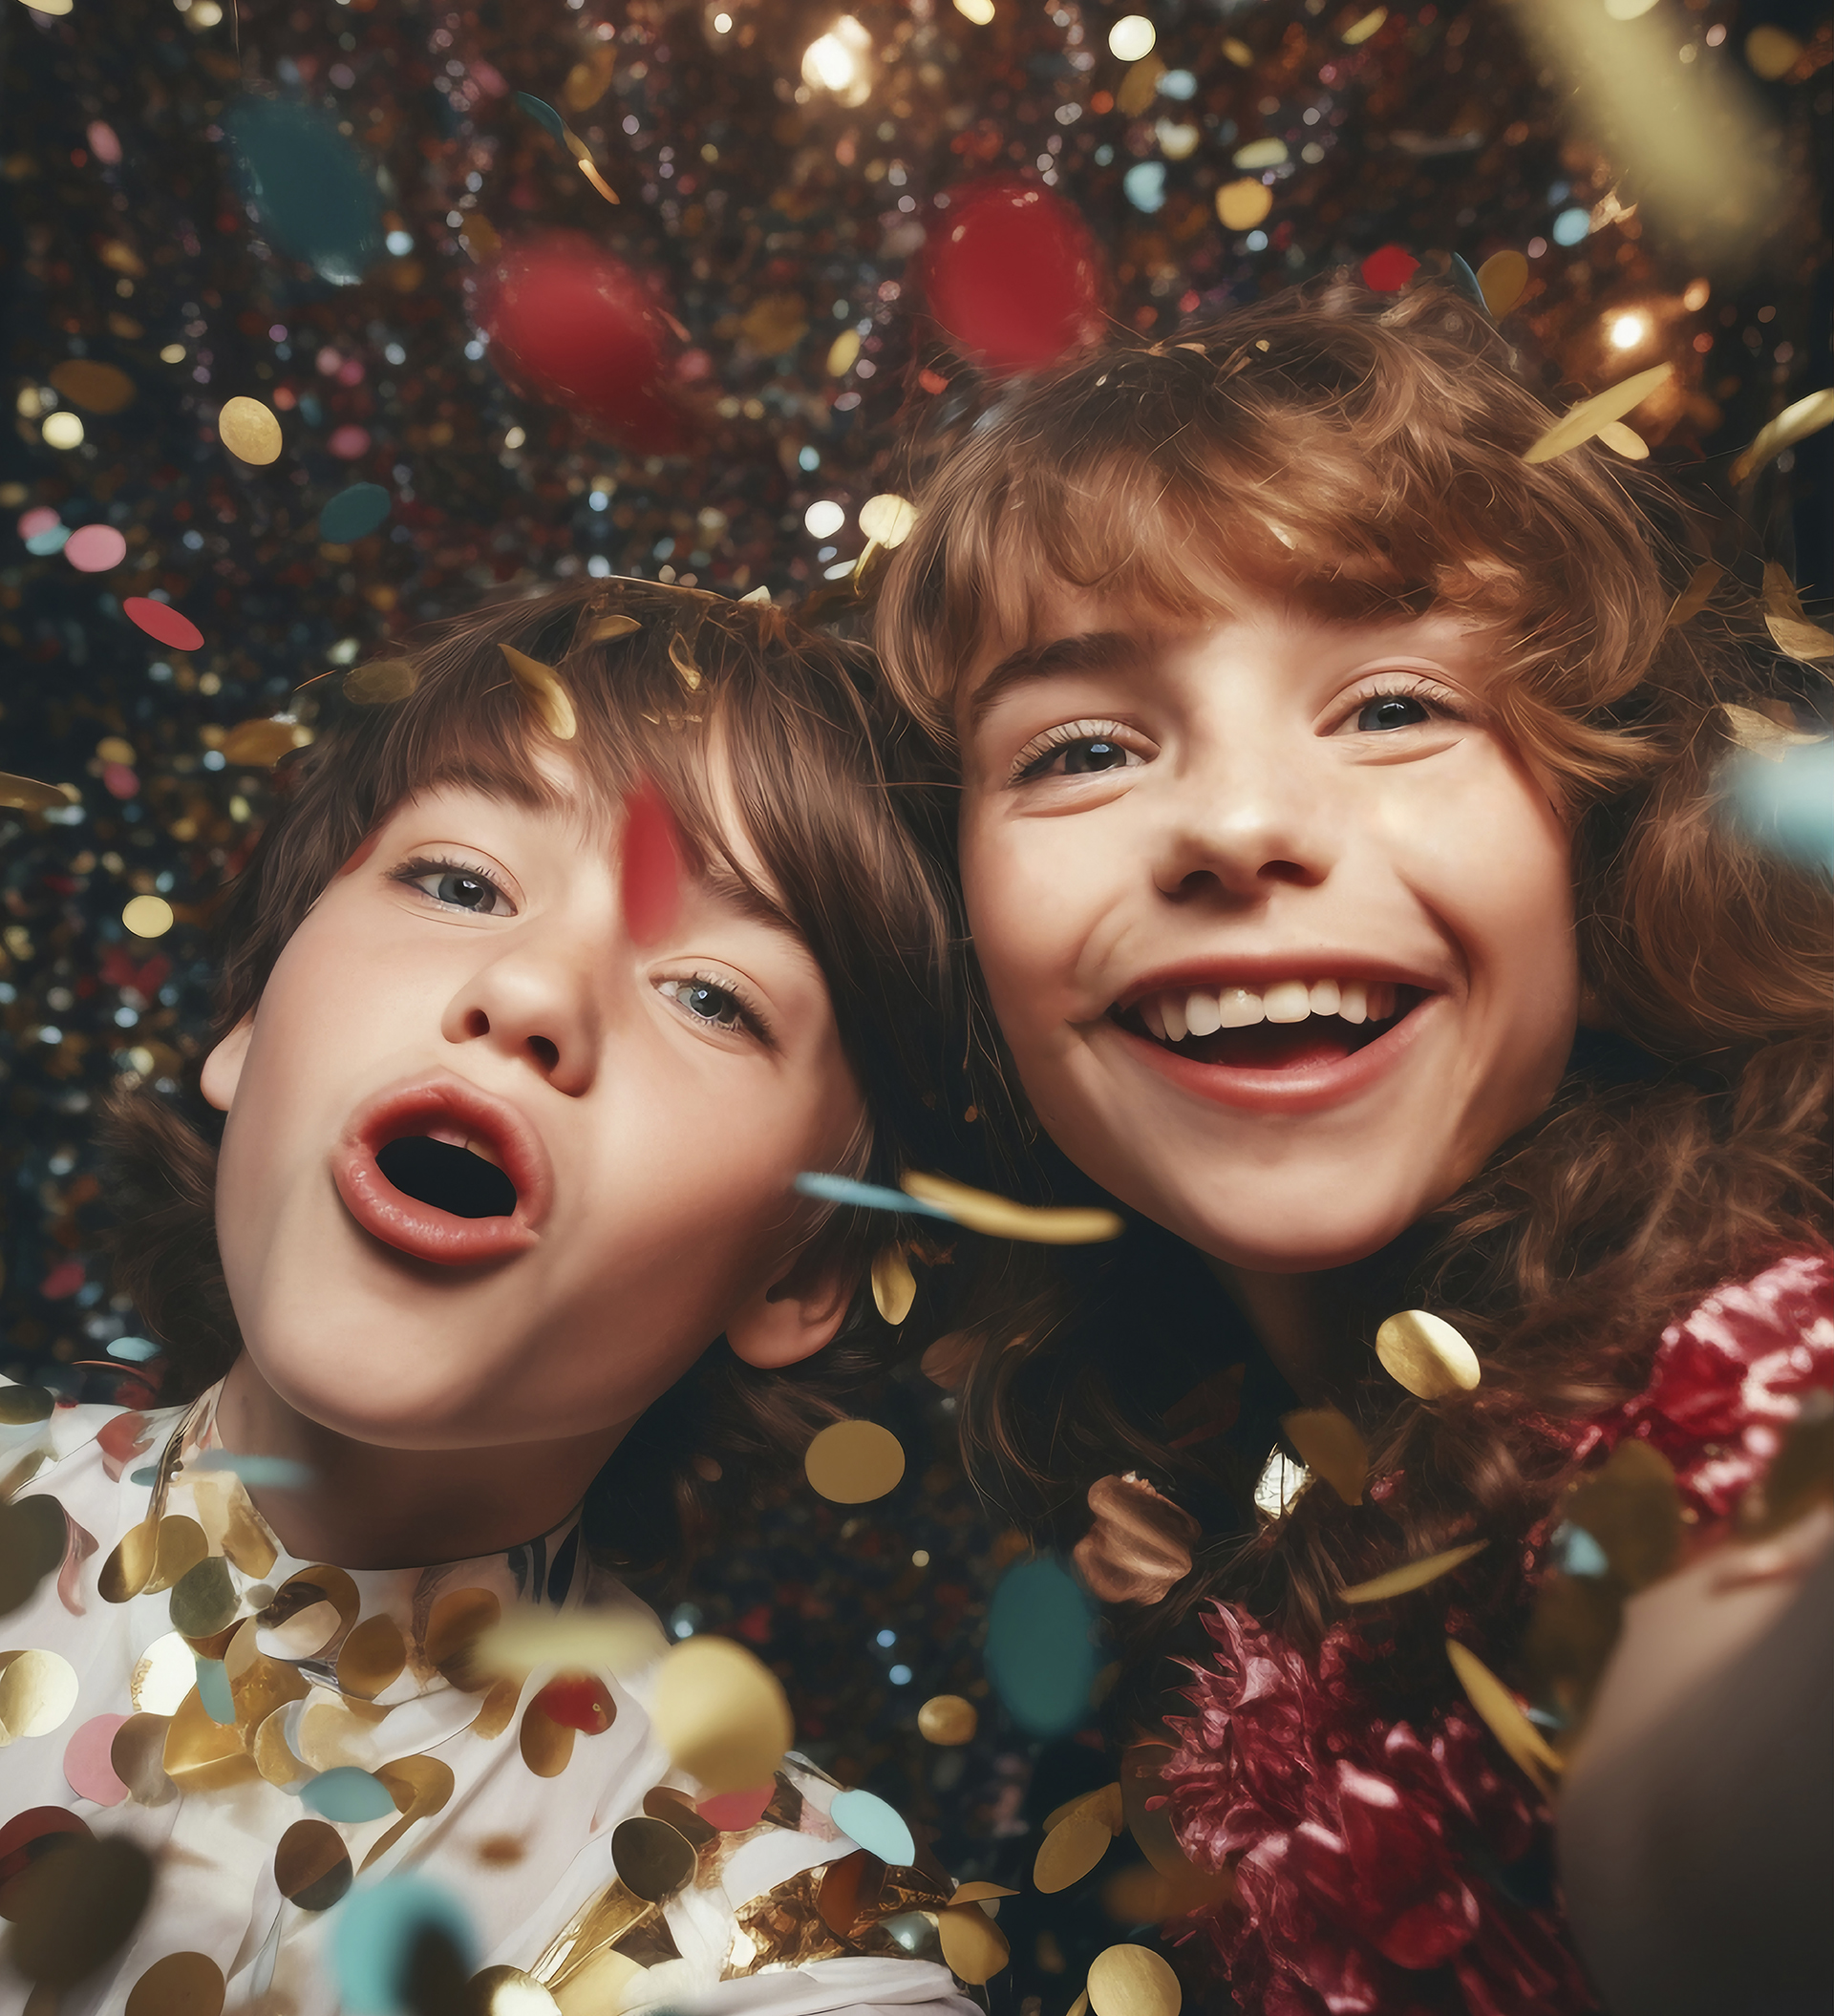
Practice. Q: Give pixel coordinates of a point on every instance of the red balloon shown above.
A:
(580, 328)
(1012, 275)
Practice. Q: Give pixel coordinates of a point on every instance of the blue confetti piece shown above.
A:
(148, 1475)
(1578, 1553)
(1040, 1646)
(548, 116)
(52, 540)
(866, 1820)
(277, 1473)
(213, 1690)
(376, 1932)
(348, 1796)
(865, 1196)
(353, 513)
(137, 1351)
(315, 192)
(1787, 804)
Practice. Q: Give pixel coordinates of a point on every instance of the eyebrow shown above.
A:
(1091, 652)
(724, 884)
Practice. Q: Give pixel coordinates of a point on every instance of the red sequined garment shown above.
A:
(1370, 1858)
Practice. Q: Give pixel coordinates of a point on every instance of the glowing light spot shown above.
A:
(1132, 37)
(62, 430)
(823, 517)
(1627, 331)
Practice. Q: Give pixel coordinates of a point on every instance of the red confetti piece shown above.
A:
(653, 867)
(580, 1701)
(162, 623)
(64, 1278)
(732, 1811)
(1389, 268)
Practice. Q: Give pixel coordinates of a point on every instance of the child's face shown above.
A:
(649, 1066)
(1224, 825)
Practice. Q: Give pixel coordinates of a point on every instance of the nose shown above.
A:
(536, 1001)
(1240, 822)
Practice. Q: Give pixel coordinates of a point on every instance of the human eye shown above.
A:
(716, 1004)
(1388, 701)
(1078, 749)
(456, 884)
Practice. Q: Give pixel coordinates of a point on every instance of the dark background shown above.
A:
(772, 220)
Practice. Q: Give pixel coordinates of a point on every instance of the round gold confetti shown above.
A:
(894, 1286)
(164, 1675)
(37, 1691)
(973, 1945)
(274, 1758)
(378, 684)
(1069, 1851)
(178, 1546)
(22, 1405)
(148, 916)
(180, 1984)
(1410, 1576)
(1500, 280)
(721, 1714)
(370, 1657)
(853, 1462)
(311, 1865)
(887, 520)
(124, 1573)
(420, 1787)
(1001, 1218)
(74, 1909)
(137, 1757)
(1772, 53)
(1424, 1353)
(259, 743)
(1241, 204)
(844, 353)
(249, 431)
(947, 1720)
(1330, 1447)
(205, 1597)
(546, 1745)
(651, 1857)
(1131, 1981)
(99, 388)
(508, 1992)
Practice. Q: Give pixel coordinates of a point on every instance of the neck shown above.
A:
(369, 1507)
(1301, 1321)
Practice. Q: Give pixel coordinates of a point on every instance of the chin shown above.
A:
(1301, 1229)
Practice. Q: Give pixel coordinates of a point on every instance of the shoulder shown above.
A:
(1732, 1374)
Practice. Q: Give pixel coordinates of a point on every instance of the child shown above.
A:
(562, 955)
(1337, 838)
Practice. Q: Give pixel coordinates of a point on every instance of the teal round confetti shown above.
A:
(864, 1819)
(1040, 1646)
(148, 1475)
(348, 1796)
(137, 1351)
(353, 513)
(53, 539)
(1577, 1552)
(376, 1928)
(1787, 804)
(548, 116)
(213, 1690)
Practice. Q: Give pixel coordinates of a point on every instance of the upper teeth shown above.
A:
(1176, 1012)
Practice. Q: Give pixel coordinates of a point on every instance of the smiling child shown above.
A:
(1337, 836)
(544, 982)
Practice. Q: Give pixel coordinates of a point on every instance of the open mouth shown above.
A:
(1293, 1025)
(444, 1171)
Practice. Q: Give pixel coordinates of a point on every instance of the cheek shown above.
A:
(1019, 914)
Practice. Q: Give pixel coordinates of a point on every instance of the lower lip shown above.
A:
(1308, 1087)
(420, 1230)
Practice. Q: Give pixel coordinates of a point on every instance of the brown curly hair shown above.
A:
(1364, 454)
(800, 717)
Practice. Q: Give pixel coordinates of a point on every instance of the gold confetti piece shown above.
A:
(1424, 1353)
(508, 1992)
(1001, 1218)
(37, 1691)
(1261, 154)
(972, 1944)
(137, 1756)
(1133, 1981)
(1081, 2007)
(887, 520)
(420, 1787)
(1632, 1509)
(75, 1909)
(1795, 423)
(1243, 203)
(1069, 1851)
(980, 1893)
(479, 239)
(894, 1286)
(1501, 1713)
(95, 387)
(721, 1714)
(853, 1462)
(388, 680)
(610, 626)
(1696, 596)
(1585, 419)
(542, 690)
(1103, 1805)
(258, 745)
(947, 1720)
(1361, 30)
(1624, 441)
(1140, 86)
(249, 431)
(682, 658)
(1763, 735)
(759, 594)
(623, 1642)
(1789, 627)
(311, 1865)
(454, 1631)
(651, 1857)
(589, 169)
(27, 795)
(844, 353)
(1410, 1576)
(546, 1745)
(370, 1657)
(1149, 1897)
(1501, 280)
(205, 1597)
(1330, 1447)
(1772, 53)
(1238, 52)
(180, 1545)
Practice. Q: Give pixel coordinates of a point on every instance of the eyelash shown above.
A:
(411, 873)
(1403, 685)
(1030, 761)
(748, 1016)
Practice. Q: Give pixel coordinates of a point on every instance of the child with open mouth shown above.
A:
(1337, 836)
(564, 952)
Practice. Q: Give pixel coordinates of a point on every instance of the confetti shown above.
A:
(1410, 1575)
(311, 1865)
(1790, 629)
(947, 1720)
(854, 1463)
(249, 431)
(95, 549)
(34, 1535)
(1133, 1981)
(354, 514)
(542, 113)
(94, 386)
(894, 1286)
(1001, 1218)
(1503, 1715)
(864, 1197)
(162, 623)
(622, 1641)
(348, 1796)
(1795, 423)
(1329, 1445)
(1590, 416)
(972, 1944)
(720, 1713)
(1040, 1653)
(1069, 1851)
(1243, 203)
(1764, 734)
(1426, 1355)
(388, 680)
(880, 1829)
(88, 1761)
(542, 688)
(377, 1931)
(258, 745)
(887, 520)
(1500, 280)
(27, 795)
(1696, 596)
(74, 1910)
(148, 916)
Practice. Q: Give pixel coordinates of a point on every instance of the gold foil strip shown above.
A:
(203, 1755)
(420, 1787)
(178, 1546)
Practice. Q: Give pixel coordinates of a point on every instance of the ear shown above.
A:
(793, 1318)
(223, 1067)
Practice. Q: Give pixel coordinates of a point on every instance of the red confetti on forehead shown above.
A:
(654, 863)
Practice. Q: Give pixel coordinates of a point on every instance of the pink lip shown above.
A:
(423, 1230)
(1300, 1090)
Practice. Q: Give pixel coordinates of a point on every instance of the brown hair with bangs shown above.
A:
(1364, 454)
(658, 681)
